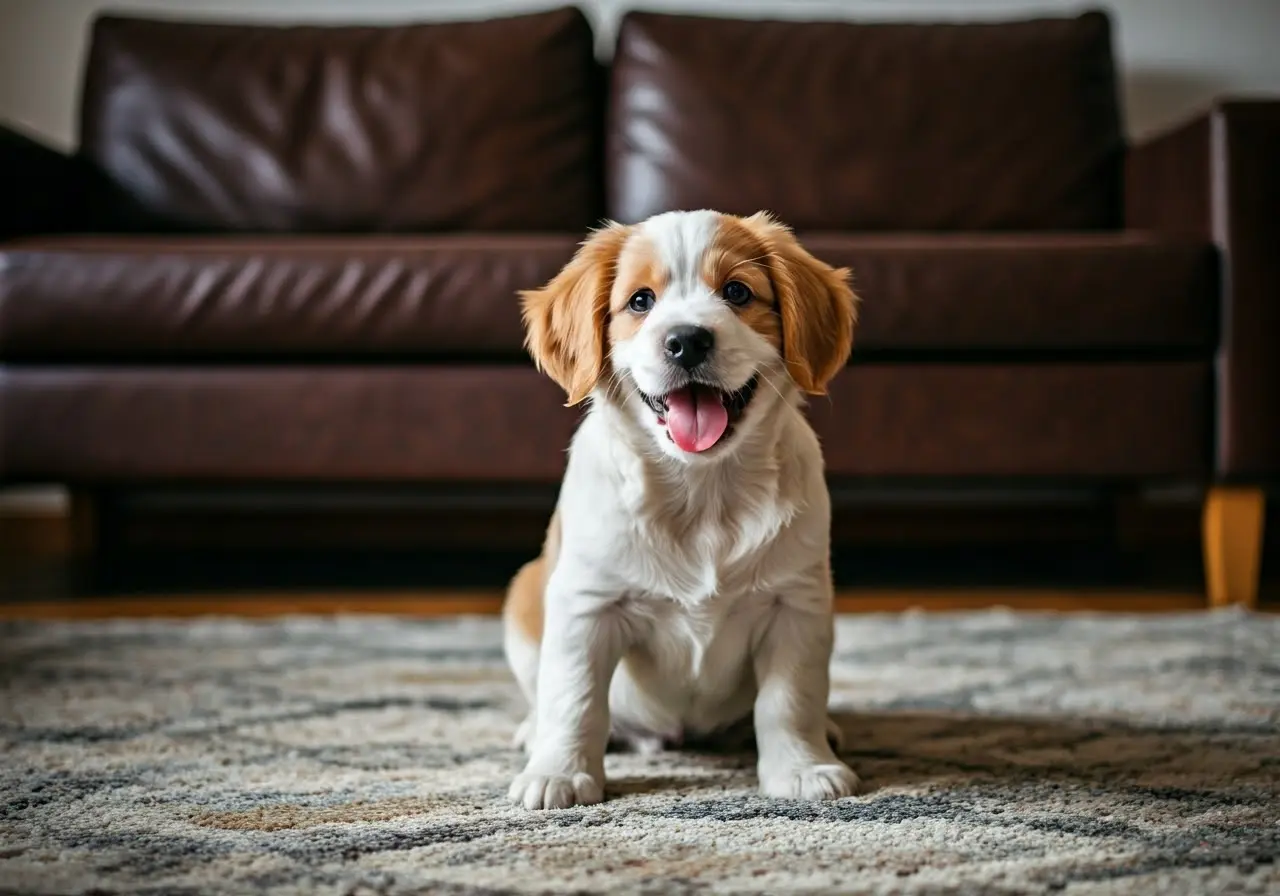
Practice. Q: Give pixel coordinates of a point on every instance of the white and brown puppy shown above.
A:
(685, 581)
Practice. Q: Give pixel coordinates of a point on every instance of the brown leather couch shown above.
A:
(290, 255)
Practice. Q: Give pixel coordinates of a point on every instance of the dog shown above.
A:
(684, 585)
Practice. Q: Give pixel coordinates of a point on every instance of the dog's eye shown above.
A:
(736, 292)
(641, 301)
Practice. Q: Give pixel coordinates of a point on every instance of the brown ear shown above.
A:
(817, 305)
(565, 320)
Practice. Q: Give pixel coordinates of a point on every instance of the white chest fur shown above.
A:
(650, 528)
(692, 563)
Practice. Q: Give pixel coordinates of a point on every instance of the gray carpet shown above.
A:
(1005, 753)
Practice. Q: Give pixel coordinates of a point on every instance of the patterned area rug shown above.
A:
(1004, 753)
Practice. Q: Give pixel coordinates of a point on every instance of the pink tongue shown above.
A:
(696, 418)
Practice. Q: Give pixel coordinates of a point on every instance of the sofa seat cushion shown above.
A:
(454, 297)
(1031, 292)
(139, 298)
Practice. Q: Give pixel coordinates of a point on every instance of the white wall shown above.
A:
(1175, 54)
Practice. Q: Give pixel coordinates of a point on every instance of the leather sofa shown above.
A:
(290, 254)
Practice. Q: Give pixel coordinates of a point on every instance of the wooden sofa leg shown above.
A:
(1232, 532)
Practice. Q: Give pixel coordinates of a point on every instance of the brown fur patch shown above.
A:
(639, 267)
(524, 599)
(565, 320)
(523, 606)
(738, 253)
(817, 305)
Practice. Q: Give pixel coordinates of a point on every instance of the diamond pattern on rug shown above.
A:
(1003, 753)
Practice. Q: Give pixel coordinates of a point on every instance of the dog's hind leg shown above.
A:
(522, 637)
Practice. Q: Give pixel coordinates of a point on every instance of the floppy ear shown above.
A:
(817, 305)
(565, 320)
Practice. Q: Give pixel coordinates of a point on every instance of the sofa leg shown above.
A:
(1232, 532)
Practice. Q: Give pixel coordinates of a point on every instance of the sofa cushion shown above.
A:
(487, 125)
(855, 126)
(282, 297)
(1028, 292)
(454, 296)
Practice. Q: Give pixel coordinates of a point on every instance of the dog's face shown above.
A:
(696, 323)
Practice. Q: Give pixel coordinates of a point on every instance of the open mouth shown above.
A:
(699, 417)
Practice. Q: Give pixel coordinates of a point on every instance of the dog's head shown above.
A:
(697, 323)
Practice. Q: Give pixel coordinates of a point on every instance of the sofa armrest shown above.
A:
(45, 190)
(1217, 179)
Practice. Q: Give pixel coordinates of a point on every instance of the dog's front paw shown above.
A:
(535, 791)
(810, 782)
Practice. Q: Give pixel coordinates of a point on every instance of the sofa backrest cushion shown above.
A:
(868, 126)
(486, 125)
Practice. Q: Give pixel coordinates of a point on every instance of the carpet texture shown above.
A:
(1004, 753)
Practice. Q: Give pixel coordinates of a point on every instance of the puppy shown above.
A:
(684, 584)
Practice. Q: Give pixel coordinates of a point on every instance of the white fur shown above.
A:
(690, 590)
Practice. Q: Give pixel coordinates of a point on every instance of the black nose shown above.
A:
(689, 346)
